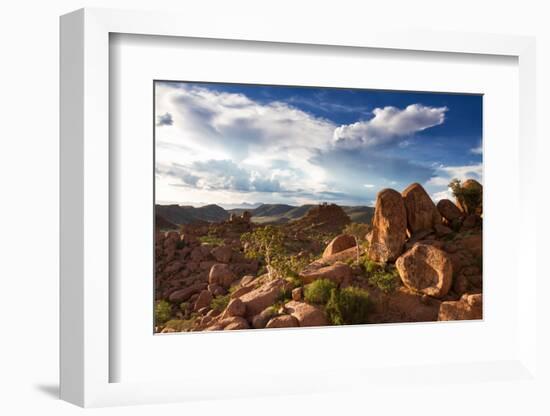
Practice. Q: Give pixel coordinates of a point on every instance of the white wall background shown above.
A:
(29, 56)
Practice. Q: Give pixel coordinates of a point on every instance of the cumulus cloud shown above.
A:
(215, 175)
(444, 174)
(235, 125)
(221, 146)
(165, 120)
(389, 124)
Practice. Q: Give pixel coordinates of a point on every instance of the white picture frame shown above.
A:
(85, 211)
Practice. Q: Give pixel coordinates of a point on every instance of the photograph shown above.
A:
(279, 206)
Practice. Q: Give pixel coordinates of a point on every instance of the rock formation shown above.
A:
(422, 213)
(468, 307)
(448, 210)
(421, 262)
(221, 274)
(470, 201)
(306, 314)
(283, 321)
(338, 244)
(338, 272)
(389, 227)
(426, 269)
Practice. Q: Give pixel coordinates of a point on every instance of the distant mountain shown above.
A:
(186, 214)
(360, 214)
(163, 223)
(264, 214)
(280, 214)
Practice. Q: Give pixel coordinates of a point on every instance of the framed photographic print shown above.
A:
(275, 206)
(325, 208)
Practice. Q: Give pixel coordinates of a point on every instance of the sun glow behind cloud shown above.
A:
(228, 148)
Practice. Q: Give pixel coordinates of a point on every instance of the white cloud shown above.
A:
(389, 124)
(444, 174)
(446, 194)
(220, 147)
(257, 137)
(477, 150)
(438, 185)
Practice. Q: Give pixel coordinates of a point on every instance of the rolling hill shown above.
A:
(186, 214)
(264, 214)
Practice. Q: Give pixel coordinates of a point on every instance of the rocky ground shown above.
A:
(418, 262)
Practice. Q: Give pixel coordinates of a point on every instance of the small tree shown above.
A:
(266, 242)
(358, 231)
(468, 197)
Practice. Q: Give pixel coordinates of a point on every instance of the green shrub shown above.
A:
(385, 281)
(348, 306)
(212, 240)
(219, 303)
(291, 266)
(163, 312)
(373, 267)
(294, 281)
(351, 261)
(284, 296)
(318, 292)
(181, 325)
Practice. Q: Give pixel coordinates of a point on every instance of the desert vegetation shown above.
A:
(412, 261)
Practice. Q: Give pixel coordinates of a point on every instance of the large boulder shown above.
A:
(389, 227)
(237, 293)
(260, 298)
(283, 321)
(181, 295)
(246, 280)
(216, 290)
(422, 213)
(473, 243)
(471, 221)
(236, 307)
(338, 272)
(338, 244)
(221, 274)
(345, 256)
(222, 254)
(261, 320)
(402, 305)
(306, 314)
(468, 307)
(204, 299)
(471, 199)
(426, 269)
(448, 210)
(234, 322)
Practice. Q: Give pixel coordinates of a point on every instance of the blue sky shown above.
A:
(239, 145)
